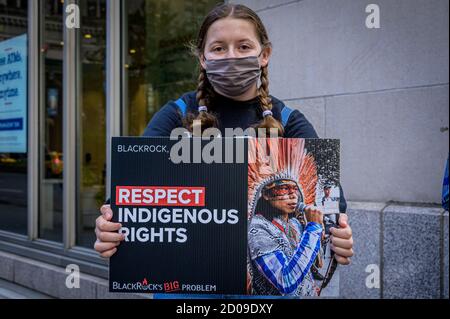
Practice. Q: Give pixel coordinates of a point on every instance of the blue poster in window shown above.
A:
(13, 95)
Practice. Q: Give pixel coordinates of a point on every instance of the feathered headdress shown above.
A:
(272, 159)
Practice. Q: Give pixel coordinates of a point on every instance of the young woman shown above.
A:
(234, 50)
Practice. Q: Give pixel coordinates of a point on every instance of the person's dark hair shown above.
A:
(269, 212)
(205, 92)
(264, 208)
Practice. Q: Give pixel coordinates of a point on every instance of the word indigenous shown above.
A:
(185, 207)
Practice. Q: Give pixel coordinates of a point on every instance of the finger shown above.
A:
(344, 233)
(110, 237)
(108, 253)
(312, 209)
(106, 212)
(342, 251)
(103, 247)
(316, 211)
(308, 209)
(104, 225)
(342, 260)
(343, 220)
(342, 243)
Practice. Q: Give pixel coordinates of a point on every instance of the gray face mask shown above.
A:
(234, 76)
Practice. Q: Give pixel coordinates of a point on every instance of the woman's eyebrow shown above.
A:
(216, 42)
(246, 40)
(239, 41)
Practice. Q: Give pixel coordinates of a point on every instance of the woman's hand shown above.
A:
(107, 237)
(342, 241)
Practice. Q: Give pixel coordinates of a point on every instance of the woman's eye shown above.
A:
(245, 47)
(218, 49)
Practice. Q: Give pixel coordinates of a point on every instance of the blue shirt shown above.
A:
(230, 114)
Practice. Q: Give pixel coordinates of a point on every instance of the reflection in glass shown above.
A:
(92, 117)
(51, 124)
(13, 165)
(158, 63)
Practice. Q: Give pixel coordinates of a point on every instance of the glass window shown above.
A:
(92, 119)
(158, 64)
(13, 115)
(51, 122)
(158, 67)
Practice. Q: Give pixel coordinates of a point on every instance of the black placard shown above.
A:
(211, 258)
(220, 224)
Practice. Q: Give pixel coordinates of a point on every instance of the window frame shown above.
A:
(30, 246)
(67, 252)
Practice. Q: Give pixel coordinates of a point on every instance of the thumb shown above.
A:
(106, 212)
(343, 220)
(310, 209)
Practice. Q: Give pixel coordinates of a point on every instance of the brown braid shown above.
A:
(267, 122)
(204, 96)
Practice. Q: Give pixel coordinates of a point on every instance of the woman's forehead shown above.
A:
(231, 30)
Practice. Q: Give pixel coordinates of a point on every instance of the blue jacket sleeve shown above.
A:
(298, 126)
(164, 121)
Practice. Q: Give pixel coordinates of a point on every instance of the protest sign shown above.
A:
(198, 226)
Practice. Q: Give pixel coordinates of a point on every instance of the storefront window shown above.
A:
(92, 119)
(51, 123)
(158, 64)
(13, 115)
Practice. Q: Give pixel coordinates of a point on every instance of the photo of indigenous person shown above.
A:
(287, 233)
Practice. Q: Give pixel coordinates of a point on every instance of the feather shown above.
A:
(272, 159)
